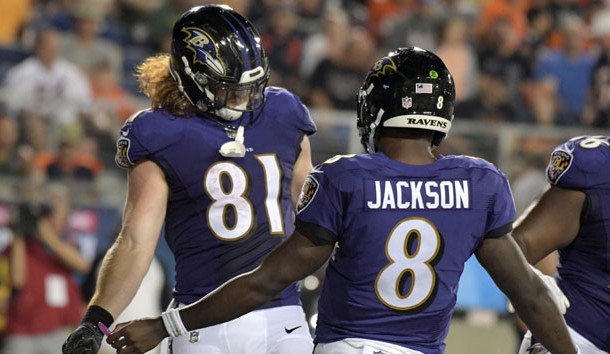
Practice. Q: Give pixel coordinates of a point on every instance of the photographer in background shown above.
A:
(46, 300)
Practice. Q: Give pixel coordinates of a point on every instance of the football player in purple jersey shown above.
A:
(217, 162)
(573, 217)
(398, 224)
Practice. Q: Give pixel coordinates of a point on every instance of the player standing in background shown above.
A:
(404, 220)
(573, 216)
(218, 161)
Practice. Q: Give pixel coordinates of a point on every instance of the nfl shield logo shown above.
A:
(407, 102)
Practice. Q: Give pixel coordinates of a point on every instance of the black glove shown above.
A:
(86, 339)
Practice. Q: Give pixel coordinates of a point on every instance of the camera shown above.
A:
(26, 215)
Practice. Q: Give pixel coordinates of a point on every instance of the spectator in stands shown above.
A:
(514, 11)
(284, 46)
(46, 299)
(46, 91)
(160, 22)
(109, 97)
(15, 160)
(562, 77)
(335, 80)
(327, 43)
(498, 54)
(84, 46)
(419, 27)
(382, 12)
(597, 111)
(455, 49)
(132, 16)
(562, 11)
(492, 102)
(539, 27)
(75, 159)
(311, 15)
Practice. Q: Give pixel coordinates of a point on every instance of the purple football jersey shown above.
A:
(224, 215)
(583, 163)
(403, 234)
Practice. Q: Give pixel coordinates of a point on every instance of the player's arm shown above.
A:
(129, 258)
(301, 168)
(294, 259)
(508, 268)
(550, 223)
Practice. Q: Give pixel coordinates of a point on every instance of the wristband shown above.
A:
(97, 314)
(173, 323)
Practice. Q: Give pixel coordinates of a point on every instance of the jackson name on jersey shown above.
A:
(419, 195)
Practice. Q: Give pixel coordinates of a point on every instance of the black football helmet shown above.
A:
(217, 59)
(408, 88)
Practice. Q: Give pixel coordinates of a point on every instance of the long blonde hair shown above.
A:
(157, 83)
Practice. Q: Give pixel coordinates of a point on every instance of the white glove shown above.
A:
(558, 297)
(529, 346)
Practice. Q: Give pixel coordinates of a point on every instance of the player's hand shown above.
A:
(558, 297)
(529, 345)
(137, 336)
(86, 339)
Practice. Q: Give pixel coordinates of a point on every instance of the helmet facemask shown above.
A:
(231, 100)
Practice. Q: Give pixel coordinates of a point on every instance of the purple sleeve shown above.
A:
(580, 163)
(305, 123)
(288, 110)
(319, 209)
(129, 149)
(502, 207)
(145, 135)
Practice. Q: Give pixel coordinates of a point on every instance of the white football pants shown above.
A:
(361, 346)
(278, 330)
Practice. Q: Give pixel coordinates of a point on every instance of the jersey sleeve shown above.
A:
(580, 163)
(304, 121)
(290, 110)
(501, 213)
(319, 209)
(143, 135)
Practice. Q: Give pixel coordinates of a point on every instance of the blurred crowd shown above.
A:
(67, 84)
(66, 66)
